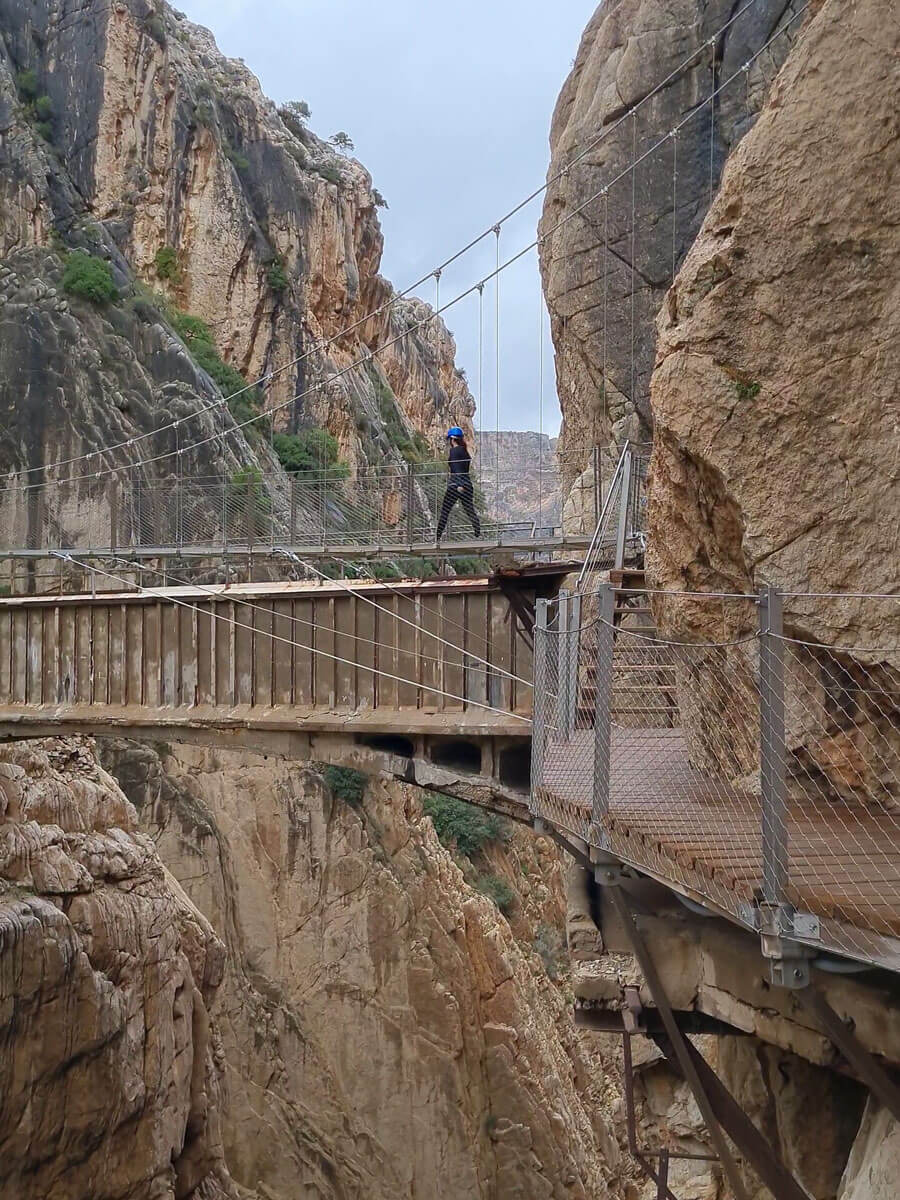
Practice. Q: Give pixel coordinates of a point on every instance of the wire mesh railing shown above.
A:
(392, 506)
(619, 533)
(755, 770)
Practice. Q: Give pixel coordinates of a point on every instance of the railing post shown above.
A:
(410, 491)
(225, 513)
(771, 748)
(114, 513)
(562, 664)
(624, 497)
(788, 959)
(598, 503)
(603, 702)
(539, 691)
(292, 533)
(569, 612)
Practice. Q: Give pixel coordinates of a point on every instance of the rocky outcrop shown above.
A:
(125, 132)
(528, 470)
(605, 274)
(110, 1065)
(381, 1021)
(775, 403)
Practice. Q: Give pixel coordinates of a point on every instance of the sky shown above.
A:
(449, 108)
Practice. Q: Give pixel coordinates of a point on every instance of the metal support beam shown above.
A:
(755, 1149)
(867, 1068)
(680, 1044)
(659, 1178)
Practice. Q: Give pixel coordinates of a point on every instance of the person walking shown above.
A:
(459, 485)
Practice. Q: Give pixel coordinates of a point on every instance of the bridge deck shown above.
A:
(680, 825)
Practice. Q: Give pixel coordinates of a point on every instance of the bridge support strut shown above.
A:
(721, 1112)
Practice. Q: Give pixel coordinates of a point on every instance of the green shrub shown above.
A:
(379, 200)
(44, 130)
(347, 784)
(198, 338)
(468, 565)
(166, 263)
(746, 389)
(463, 825)
(343, 141)
(308, 451)
(155, 27)
(277, 276)
(89, 277)
(550, 946)
(295, 114)
(27, 83)
(205, 113)
(498, 890)
(332, 174)
(43, 108)
(240, 162)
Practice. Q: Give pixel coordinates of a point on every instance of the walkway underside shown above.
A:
(476, 757)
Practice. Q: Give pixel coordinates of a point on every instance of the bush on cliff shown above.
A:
(310, 450)
(89, 277)
(462, 825)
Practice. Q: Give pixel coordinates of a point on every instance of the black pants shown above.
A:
(459, 490)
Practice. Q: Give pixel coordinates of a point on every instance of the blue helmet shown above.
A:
(455, 431)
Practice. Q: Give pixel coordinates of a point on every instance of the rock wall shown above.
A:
(110, 1066)
(528, 472)
(158, 154)
(605, 274)
(383, 1025)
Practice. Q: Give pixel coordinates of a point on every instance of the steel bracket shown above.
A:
(789, 959)
(609, 871)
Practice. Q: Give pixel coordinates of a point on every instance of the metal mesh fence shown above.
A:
(755, 771)
(391, 506)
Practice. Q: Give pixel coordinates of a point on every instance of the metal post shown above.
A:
(410, 486)
(292, 537)
(598, 502)
(539, 691)
(603, 702)
(624, 494)
(573, 638)
(114, 513)
(225, 514)
(771, 748)
(324, 486)
(251, 513)
(562, 664)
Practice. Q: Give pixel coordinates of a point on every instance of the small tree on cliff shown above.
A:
(342, 141)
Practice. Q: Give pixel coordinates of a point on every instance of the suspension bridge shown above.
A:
(754, 774)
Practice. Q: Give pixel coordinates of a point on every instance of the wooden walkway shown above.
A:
(702, 833)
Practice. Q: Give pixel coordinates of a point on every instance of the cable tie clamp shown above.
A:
(496, 230)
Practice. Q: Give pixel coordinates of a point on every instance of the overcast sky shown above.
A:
(449, 107)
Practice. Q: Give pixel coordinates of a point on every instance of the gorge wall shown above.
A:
(605, 274)
(125, 133)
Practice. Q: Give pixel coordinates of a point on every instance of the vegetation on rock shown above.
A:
(348, 785)
(308, 451)
(498, 890)
(243, 402)
(89, 277)
(166, 264)
(463, 826)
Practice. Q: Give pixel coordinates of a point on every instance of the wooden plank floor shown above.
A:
(679, 823)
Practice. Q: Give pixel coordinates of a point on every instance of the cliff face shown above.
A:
(383, 1025)
(125, 132)
(605, 274)
(110, 1066)
(528, 474)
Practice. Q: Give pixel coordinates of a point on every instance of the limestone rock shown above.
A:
(593, 282)
(775, 397)
(380, 1019)
(874, 1166)
(165, 158)
(109, 1083)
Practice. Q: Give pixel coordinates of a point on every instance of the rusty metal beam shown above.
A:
(866, 1067)
(680, 1044)
(758, 1153)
